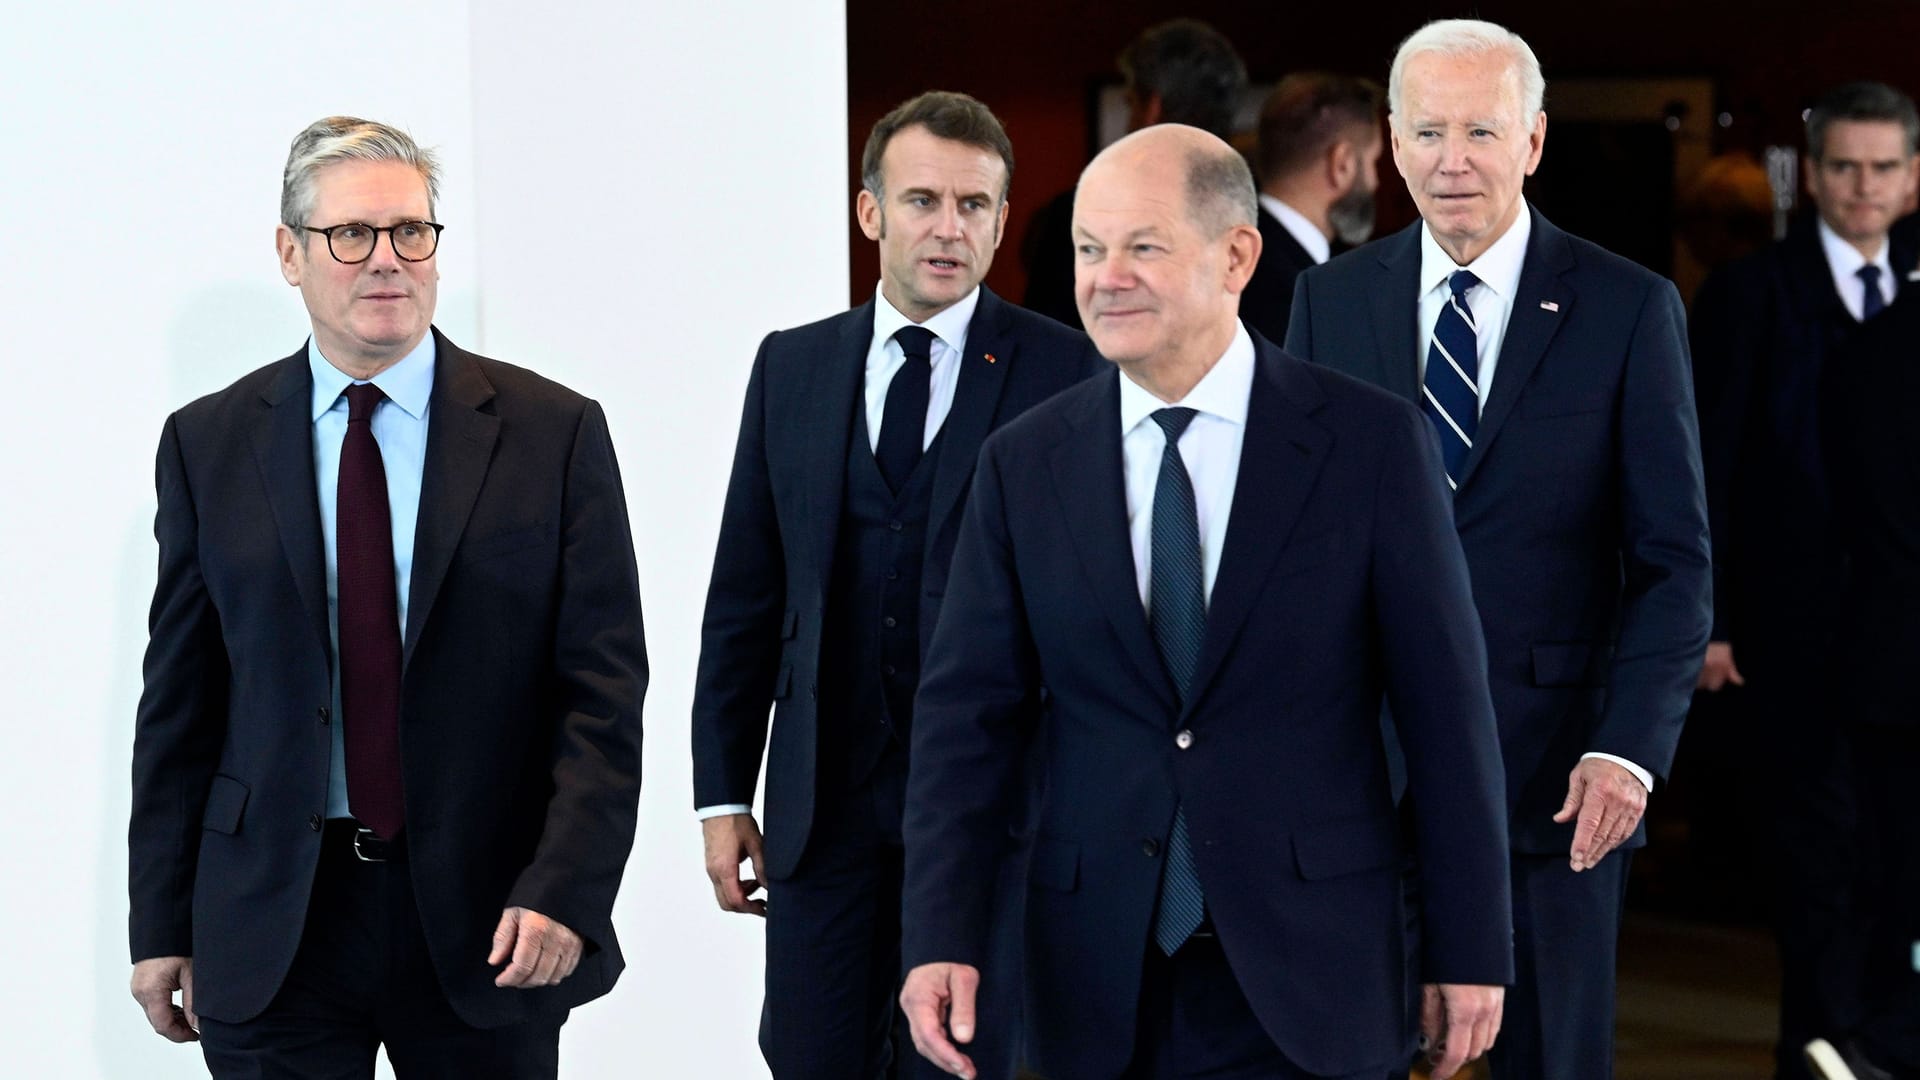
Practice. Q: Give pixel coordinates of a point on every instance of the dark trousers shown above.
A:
(362, 978)
(1888, 761)
(1558, 1023)
(1807, 806)
(833, 943)
(1194, 1022)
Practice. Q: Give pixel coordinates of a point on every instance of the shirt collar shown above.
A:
(1221, 392)
(1498, 267)
(1846, 260)
(408, 384)
(950, 325)
(1305, 232)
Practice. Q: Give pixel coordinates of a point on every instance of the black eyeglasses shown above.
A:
(353, 242)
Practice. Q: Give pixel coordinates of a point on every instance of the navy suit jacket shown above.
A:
(1267, 302)
(766, 604)
(1763, 331)
(523, 668)
(1580, 505)
(1340, 579)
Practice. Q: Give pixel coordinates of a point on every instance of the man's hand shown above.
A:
(543, 951)
(1459, 1023)
(154, 981)
(1609, 801)
(1718, 669)
(938, 999)
(730, 839)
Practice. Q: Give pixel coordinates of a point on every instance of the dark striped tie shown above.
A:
(1451, 396)
(1177, 606)
(1872, 302)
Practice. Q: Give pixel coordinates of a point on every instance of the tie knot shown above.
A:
(1870, 275)
(1174, 421)
(915, 341)
(361, 398)
(1460, 281)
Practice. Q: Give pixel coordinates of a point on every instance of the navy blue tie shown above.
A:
(903, 426)
(1451, 396)
(1177, 610)
(1872, 302)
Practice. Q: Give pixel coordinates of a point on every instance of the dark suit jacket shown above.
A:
(1871, 402)
(523, 671)
(1580, 505)
(1268, 300)
(1763, 329)
(766, 604)
(1340, 578)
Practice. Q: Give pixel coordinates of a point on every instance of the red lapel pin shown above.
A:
(990, 359)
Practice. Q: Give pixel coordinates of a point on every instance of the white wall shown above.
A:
(633, 197)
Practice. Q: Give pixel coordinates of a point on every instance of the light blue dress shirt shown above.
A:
(400, 427)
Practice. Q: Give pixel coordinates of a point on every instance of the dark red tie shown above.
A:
(369, 624)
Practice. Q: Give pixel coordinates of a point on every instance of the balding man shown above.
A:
(1555, 376)
(1214, 886)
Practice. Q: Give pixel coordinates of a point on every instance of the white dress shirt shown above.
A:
(1845, 261)
(1305, 232)
(1491, 302)
(884, 360)
(1210, 448)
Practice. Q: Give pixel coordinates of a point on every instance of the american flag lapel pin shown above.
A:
(1550, 305)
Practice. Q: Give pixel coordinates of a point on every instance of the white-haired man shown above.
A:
(1555, 376)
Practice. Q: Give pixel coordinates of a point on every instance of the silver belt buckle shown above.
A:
(361, 833)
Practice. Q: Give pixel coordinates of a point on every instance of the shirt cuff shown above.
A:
(724, 809)
(1639, 773)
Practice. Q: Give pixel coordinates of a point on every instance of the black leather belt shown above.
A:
(360, 840)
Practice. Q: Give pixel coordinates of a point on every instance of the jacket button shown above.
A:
(889, 622)
(889, 670)
(895, 525)
(892, 574)
(1149, 847)
(1183, 740)
(323, 714)
(314, 821)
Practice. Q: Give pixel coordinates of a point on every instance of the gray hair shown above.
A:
(1870, 102)
(348, 138)
(1472, 37)
(1220, 192)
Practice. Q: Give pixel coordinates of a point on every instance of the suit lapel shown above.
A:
(1395, 299)
(283, 447)
(983, 375)
(1541, 304)
(833, 392)
(460, 441)
(1280, 459)
(1089, 481)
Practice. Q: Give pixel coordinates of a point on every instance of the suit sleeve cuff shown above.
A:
(723, 809)
(1639, 773)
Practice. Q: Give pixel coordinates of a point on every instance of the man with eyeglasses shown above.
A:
(387, 759)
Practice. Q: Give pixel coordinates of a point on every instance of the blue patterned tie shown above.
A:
(1872, 302)
(1451, 396)
(1177, 603)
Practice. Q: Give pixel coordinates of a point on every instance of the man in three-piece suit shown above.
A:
(1319, 158)
(1186, 586)
(1555, 376)
(1764, 331)
(855, 456)
(387, 758)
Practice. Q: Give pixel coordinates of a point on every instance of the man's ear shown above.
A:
(292, 258)
(866, 210)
